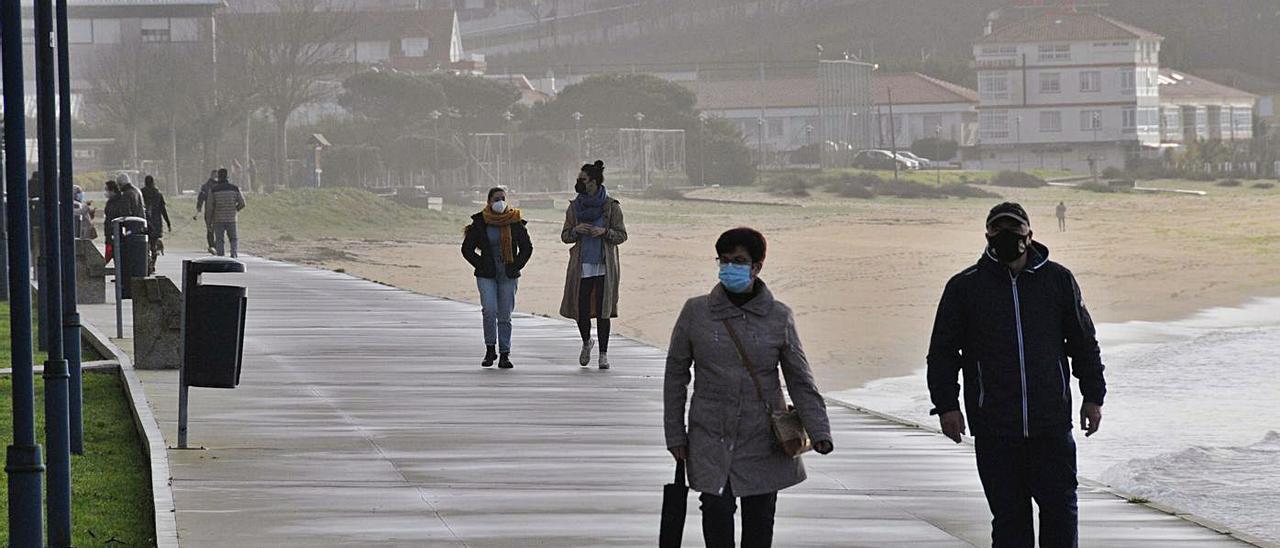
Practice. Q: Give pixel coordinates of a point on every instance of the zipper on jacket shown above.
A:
(981, 386)
(1022, 358)
(1062, 374)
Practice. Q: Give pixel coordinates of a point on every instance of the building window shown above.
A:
(775, 128)
(415, 47)
(184, 29)
(1050, 82)
(993, 86)
(1090, 120)
(1242, 122)
(1090, 81)
(84, 153)
(1172, 121)
(1148, 82)
(1050, 121)
(373, 52)
(1129, 119)
(155, 30)
(932, 124)
(993, 124)
(998, 51)
(106, 31)
(1056, 52)
(1148, 120)
(1128, 83)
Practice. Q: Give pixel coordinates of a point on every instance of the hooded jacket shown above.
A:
(1017, 338)
(477, 239)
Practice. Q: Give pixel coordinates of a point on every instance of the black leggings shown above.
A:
(590, 305)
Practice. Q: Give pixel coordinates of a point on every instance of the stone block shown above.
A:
(157, 323)
(91, 274)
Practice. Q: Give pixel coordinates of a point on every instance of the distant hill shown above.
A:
(932, 36)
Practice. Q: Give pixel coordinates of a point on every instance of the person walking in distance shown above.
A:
(593, 226)
(497, 245)
(225, 203)
(1061, 212)
(741, 342)
(202, 205)
(1016, 325)
(157, 214)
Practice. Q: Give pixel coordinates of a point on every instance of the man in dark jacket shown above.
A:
(225, 203)
(202, 200)
(1017, 327)
(157, 218)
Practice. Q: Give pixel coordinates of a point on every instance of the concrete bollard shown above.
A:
(91, 274)
(157, 323)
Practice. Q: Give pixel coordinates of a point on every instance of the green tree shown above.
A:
(479, 104)
(397, 101)
(550, 156)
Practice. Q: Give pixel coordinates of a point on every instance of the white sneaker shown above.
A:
(604, 361)
(584, 358)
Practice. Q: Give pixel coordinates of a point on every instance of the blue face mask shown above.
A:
(735, 277)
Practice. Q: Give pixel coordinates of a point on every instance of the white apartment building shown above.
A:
(1066, 89)
(1193, 108)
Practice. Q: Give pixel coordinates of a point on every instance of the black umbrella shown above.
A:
(675, 499)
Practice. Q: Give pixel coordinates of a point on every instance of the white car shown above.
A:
(924, 163)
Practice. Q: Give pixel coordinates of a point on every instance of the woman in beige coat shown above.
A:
(728, 446)
(593, 225)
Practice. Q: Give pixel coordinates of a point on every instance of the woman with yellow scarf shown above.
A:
(497, 245)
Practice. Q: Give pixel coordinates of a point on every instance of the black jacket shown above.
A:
(1017, 339)
(477, 238)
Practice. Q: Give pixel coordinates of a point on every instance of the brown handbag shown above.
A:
(787, 429)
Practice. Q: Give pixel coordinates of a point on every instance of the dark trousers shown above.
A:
(590, 305)
(1017, 470)
(757, 519)
(208, 234)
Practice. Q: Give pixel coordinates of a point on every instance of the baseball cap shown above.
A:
(1010, 210)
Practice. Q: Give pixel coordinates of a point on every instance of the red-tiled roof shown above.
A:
(1065, 26)
(908, 89)
(1175, 85)
(914, 88)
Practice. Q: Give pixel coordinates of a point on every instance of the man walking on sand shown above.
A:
(1017, 327)
(1062, 216)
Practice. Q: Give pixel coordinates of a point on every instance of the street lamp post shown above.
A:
(644, 151)
(577, 130)
(808, 139)
(1018, 136)
(702, 148)
(937, 154)
(760, 142)
(511, 161)
(1095, 124)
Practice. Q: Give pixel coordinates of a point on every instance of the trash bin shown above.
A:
(212, 325)
(131, 259)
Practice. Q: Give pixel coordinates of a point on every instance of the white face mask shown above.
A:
(499, 207)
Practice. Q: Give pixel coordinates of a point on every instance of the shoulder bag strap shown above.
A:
(746, 362)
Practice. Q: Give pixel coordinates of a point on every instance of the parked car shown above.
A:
(924, 163)
(882, 159)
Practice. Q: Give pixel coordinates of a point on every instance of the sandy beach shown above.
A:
(864, 276)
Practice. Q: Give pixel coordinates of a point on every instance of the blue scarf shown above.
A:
(590, 209)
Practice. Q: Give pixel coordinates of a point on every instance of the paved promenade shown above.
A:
(364, 419)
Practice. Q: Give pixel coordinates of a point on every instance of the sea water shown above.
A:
(1192, 416)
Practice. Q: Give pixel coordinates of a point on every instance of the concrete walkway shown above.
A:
(364, 419)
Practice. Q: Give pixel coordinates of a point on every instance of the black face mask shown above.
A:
(580, 187)
(1008, 246)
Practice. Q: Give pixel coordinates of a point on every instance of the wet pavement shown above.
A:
(363, 418)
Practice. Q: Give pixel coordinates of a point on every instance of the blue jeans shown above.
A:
(221, 232)
(498, 299)
(1016, 470)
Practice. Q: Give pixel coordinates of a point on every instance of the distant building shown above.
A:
(1267, 90)
(923, 107)
(1066, 89)
(529, 94)
(96, 27)
(1193, 108)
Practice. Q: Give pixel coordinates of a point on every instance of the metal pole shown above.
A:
(182, 355)
(893, 136)
(24, 464)
(70, 313)
(57, 428)
(118, 230)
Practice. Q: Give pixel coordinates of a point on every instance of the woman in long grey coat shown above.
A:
(593, 225)
(728, 446)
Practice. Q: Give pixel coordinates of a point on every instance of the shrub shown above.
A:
(788, 185)
(1017, 179)
(1092, 186)
(1230, 183)
(1263, 186)
(938, 150)
(857, 185)
(961, 190)
(1113, 173)
(909, 189)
